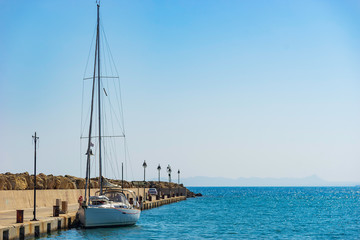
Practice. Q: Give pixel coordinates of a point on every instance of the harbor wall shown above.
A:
(22, 199)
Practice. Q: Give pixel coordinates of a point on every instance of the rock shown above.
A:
(17, 181)
(52, 182)
(66, 183)
(189, 194)
(198, 195)
(4, 183)
(40, 182)
(80, 183)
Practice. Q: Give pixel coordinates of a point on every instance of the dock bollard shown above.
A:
(56, 211)
(64, 207)
(19, 216)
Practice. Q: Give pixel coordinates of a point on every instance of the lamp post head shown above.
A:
(168, 169)
(179, 171)
(144, 164)
(159, 168)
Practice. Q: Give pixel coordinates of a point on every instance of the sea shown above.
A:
(244, 213)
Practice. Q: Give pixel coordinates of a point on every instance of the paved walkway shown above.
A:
(8, 218)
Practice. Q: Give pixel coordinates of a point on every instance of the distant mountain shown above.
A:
(255, 181)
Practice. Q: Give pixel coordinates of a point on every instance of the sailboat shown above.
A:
(110, 205)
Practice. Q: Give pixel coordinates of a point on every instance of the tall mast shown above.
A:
(88, 152)
(99, 99)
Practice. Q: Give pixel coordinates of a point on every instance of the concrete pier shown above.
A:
(158, 203)
(9, 229)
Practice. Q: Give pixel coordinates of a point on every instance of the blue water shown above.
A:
(245, 213)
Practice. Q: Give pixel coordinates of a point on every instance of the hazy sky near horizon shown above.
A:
(213, 88)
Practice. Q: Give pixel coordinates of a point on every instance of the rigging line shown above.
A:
(112, 153)
(108, 54)
(92, 41)
(108, 46)
(121, 107)
(110, 157)
(109, 153)
(113, 142)
(113, 110)
(84, 125)
(117, 158)
(105, 159)
(109, 60)
(129, 158)
(104, 65)
(119, 99)
(119, 122)
(125, 158)
(119, 102)
(81, 124)
(105, 41)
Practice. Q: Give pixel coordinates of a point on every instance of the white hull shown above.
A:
(101, 217)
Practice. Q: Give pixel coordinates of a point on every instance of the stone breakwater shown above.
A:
(25, 181)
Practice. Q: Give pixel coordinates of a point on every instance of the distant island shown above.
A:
(266, 182)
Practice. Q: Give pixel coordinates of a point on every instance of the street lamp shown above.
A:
(159, 168)
(144, 166)
(178, 182)
(159, 189)
(35, 140)
(169, 172)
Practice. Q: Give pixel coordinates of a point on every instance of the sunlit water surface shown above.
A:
(245, 213)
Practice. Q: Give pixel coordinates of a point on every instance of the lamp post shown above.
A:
(169, 172)
(159, 168)
(159, 189)
(178, 182)
(35, 140)
(144, 166)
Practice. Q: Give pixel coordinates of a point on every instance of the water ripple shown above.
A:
(245, 213)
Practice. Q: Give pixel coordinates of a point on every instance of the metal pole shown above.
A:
(144, 166)
(88, 152)
(169, 184)
(169, 171)
(178, 182)
(35, 140)
(99, 102)
(159, 192)
(122, 177)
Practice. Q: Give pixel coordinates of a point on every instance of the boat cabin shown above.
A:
(99, 200)
(116, 197)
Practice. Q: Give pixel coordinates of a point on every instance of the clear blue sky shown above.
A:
(214, 88)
